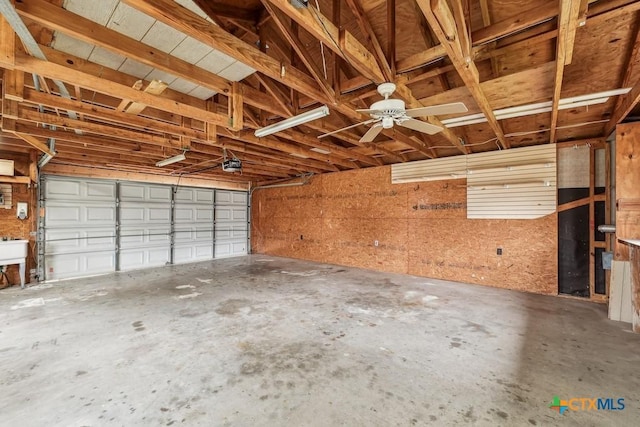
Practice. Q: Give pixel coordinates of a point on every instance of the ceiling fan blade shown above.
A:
(437, 110)
(371, 133)
(369, 111)
(366, 122)
(421, 126)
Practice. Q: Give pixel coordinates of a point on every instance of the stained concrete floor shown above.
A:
(269, 341)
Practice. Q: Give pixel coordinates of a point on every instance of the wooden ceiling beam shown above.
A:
(297, 45)
(30, 115)
(7, 44)
(341, 42)
(567, 26)
(448, 31)
(235, 13)
(523, 20)
(62, 73)
(372, 39)
(421, 59)
(626, 103)
(90, 32)
(104, 113)
(182, 19)
(223, 181)
(295, 150)
(325, 31)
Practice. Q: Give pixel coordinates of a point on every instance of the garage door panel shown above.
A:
(131, 259)
(74, 240)
(194, 195)
(193, 213)
(193, 234)
(226, 213)
(63, 266)
(228, 249)
(146, 193)
(81, 234)
(224, 197)
(60, 214)
(144, 214)
(86, 191)
(136, 236)
(192, 253)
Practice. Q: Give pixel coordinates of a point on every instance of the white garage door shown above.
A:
(231, 223)
(79, 227)
(145, 225)
(100, 226)
(193, 219)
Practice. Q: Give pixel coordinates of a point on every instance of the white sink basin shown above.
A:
(13, 251)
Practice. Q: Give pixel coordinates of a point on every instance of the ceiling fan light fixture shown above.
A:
(294, 121)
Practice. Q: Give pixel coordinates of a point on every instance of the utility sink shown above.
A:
(14, 252)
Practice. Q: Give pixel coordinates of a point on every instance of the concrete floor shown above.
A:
(270, 341)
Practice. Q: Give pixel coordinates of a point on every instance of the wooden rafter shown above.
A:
(341, 42)
(567, 26)
(58, 72)
(7, 44)
(625, 104)
(447, 30)
(296, 44)
(367, 30)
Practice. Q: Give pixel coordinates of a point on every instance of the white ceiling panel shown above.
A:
(236, 72)
(161, 76)
(135, 68)
(70, 45)
(202, 92)
(215, 62)
(182, 85)
(163, 37)
(107, 58)
(130, 22)
(191, 50)
(97, 11)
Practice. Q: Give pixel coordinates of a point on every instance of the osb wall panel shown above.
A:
(420, 228)
(14, 228)
(627, 188)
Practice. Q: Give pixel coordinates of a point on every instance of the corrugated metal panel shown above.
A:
(513, 184)
(429, 170)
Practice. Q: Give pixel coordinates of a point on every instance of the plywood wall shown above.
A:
(14, 228)
(421, 229)
(627, 187)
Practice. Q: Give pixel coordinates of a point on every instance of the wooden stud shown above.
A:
(236, 110)
(7, 44)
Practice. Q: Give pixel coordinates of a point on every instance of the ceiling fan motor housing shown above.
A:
(388, 108)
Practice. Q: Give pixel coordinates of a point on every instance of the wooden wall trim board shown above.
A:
(86, 172)
(420, 229)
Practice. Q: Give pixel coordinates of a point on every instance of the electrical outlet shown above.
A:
(375, 243)
(499, 251)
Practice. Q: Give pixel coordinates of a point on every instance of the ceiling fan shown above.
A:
(387, 112)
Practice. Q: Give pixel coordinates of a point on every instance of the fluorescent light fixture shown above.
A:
(320, 150)
(298, 155)
(171, 160)
(298, 120)
(537, 108)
